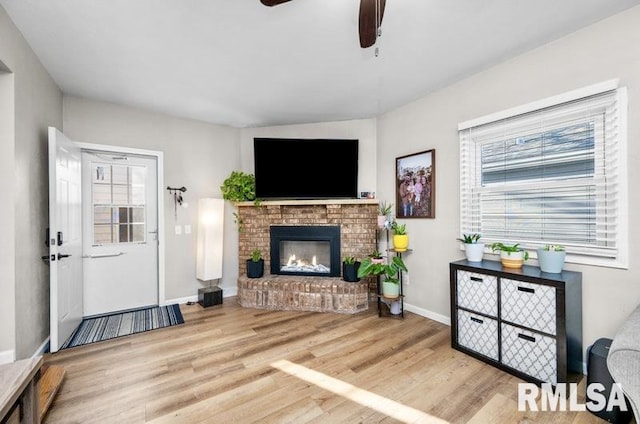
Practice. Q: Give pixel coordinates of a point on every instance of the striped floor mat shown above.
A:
(107, 327)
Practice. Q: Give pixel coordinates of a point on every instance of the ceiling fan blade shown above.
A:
(370, 21)
(273, 2)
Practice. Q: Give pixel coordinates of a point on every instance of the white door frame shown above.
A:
(159, 156)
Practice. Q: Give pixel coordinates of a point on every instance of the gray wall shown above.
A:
(605, 50)
(37, 104)
(7, 218)
(197, 155)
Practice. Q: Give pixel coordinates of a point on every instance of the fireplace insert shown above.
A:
(305, 250)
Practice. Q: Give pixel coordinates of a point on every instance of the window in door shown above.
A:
(118, 197)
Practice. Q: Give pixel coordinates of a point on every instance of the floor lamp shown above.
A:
(210, 249)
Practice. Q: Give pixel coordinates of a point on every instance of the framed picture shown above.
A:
(416, 185)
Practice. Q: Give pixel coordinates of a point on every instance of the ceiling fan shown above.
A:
(371, 12)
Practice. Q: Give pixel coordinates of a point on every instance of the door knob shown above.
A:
(60, 256)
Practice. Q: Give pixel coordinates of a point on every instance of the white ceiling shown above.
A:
(239, 63)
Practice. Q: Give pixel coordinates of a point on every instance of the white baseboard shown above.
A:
(427, 314)
(181, 300)
(44, 348)
(7, 356)
(226, 292)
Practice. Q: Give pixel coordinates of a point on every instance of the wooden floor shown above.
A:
(231, 364)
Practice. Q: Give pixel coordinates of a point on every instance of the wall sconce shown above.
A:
(210, 241)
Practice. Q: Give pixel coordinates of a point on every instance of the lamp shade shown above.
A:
(210, 240)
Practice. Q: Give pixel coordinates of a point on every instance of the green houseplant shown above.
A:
(390, 273)
(511, 255)
(384, 214)
(350, 268)
(473, 250)
(400, 236)
(551, 258)
(239, 187)
(376, 256)
(255, 264)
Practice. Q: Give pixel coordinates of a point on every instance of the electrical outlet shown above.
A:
(405, 278)
(187, 229)
(178, 230)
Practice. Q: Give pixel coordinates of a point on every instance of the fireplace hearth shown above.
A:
(357, 220)
(305, 250)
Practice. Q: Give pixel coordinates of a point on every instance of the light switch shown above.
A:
(178, 230)
(187, 229)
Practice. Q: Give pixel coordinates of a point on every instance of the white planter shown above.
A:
(390, 290)
(474, 251)
(551, 261)
(512, 259)
(394, 307)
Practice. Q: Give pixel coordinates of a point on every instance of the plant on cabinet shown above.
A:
(473, 250)
(551, 258)
(511, 255)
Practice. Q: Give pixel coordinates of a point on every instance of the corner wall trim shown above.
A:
(7, 356)
(428, 314)
(229, 291)
(42, 349)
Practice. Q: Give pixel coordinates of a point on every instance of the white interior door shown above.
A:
(120, 222)
(65, 237)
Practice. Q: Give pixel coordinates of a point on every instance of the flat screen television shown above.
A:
(287, 168)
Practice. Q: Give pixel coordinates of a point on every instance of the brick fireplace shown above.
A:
(356, 220)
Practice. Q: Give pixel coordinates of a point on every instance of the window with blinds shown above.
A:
(551, 175)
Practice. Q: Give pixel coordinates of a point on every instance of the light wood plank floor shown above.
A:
(231, 364)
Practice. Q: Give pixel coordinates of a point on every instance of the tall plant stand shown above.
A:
(384, 303)
(384, 308)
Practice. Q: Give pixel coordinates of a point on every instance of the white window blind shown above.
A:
(551, 175)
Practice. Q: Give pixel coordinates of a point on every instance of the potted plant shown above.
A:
(376, 256)
(239, 187)
(551, 258)
(472, 249)
(255, 264)
(389, 272)
(350, 269)
(511, 256)
(400, 236)
(384, 214)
